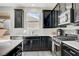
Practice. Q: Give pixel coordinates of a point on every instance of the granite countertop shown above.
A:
(73, 44)
(7, 45)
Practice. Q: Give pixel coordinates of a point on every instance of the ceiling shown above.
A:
(29, 5)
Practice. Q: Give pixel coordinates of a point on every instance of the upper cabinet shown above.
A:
(19, 18)
(55, 13)
(76, 11)
(47, 19)
(62, 7)
(65, 6)
(50, 17)
(62, 15)
(67, 17)
(66, 14)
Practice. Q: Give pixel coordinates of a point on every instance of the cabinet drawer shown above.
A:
(69, 50)
(65, 53)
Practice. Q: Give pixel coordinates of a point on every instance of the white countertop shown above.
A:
(7, 45)
(73, 44)
(5, 37)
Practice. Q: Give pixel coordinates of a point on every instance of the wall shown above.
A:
(29, 25)
(31, 28)
(36, 27)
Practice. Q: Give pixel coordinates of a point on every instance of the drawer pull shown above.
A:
(72, 52)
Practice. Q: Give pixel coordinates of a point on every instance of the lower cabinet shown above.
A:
(37, 43)
(69, 51)
(17, 51)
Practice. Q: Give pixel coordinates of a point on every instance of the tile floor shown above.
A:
(37, 53)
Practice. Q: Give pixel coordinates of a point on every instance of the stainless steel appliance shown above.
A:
(60, 32)
(66, 17)
(58, 40)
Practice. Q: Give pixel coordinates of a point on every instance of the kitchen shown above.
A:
(39, 29)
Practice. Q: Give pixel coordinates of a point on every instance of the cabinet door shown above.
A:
(76, 11)
(62, 7)
(56, 18)
(27, 44)
(43, 43)
(18, 18)
(47, 21)
(49, 43)
(56, 14)
(36, 43)
(53, 18)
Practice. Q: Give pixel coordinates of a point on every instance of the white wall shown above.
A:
(39, 30)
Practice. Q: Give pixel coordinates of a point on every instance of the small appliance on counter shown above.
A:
(60, 32)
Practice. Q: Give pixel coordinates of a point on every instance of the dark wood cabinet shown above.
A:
(37, 43)
(17, 51)
(76, 11)
(56, 14)
(47, 19)
(51, 19)
(19, 18)
(69, 51)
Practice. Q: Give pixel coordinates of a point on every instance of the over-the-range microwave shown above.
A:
(66, 17)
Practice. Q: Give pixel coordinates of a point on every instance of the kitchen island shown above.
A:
(10, 47)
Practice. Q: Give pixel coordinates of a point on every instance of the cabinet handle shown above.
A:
(72, 52)
(66, 18)
(31, 41)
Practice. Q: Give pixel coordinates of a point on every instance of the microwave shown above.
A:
(66, 18)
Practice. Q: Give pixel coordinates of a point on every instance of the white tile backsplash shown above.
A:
(70, 31)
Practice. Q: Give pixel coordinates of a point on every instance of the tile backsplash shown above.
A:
(70, 31)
